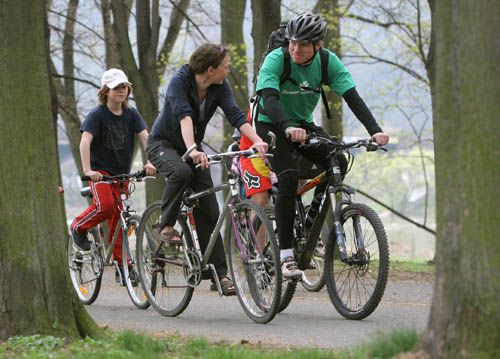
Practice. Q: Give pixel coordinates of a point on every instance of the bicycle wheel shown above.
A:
(85, 269)
(356, 289)
(254, 262)
(129, 264)
(162, 267)
(288, 286)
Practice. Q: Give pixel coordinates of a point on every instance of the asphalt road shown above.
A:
(309, 321)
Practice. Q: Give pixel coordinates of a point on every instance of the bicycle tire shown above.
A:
(85, 269)
(129, 264)
(254, 267)
(161, 266)
(288, 286)
(344, 281)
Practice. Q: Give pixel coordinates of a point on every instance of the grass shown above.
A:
(127, 344)
(413, 266)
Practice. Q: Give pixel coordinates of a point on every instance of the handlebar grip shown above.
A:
(85, 178)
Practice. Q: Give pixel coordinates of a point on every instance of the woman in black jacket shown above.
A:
(193, 95)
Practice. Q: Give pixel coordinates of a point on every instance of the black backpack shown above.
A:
(277, 39)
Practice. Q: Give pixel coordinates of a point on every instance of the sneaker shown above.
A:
(319, 251)
(132, 274)
(289, 268)
(81, 240)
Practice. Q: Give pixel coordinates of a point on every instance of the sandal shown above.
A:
(227, 286)
(172, 237)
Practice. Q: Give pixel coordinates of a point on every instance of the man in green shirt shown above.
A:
(286, 108)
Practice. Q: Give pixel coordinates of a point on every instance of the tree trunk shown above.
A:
(145, 75)
(465, 310)
(35, 291)
(329, 9)
(266, 17)
(232, 15)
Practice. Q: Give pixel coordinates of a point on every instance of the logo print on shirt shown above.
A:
(251, 181)
(115, 136)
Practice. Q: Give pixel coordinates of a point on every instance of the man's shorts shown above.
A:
(256, 175)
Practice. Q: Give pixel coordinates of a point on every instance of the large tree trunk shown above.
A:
(232, 15)
(35, 291)
(266, 17)
(465, 309)
(145, 75)
(330, 10)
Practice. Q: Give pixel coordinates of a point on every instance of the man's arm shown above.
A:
(364, 115)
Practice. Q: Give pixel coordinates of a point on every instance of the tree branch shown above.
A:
(400, 215)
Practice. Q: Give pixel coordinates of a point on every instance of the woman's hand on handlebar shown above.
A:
(94, 175)
(149, 169)
(199, 158)
(381, 138)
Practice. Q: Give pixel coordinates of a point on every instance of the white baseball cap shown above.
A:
(114, 77)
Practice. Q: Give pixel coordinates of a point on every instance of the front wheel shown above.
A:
(254, 262)
(86, 268)
(129, 264)
(163, 268)
(356, 286)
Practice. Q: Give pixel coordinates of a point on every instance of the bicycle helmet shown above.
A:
(306, 27)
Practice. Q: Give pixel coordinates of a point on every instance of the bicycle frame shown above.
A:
(230, 201)
(335, 186)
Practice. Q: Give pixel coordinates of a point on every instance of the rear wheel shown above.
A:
(254, 262)
(129, 264)
(356, 286)
(86, 268)
(162, 267)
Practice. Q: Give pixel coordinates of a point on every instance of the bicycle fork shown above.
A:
(339, 230)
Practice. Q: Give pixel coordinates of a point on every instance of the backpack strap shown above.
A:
(287, 70)
(324, 79)
(287, 67)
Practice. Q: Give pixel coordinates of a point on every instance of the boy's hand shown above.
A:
(94, 175)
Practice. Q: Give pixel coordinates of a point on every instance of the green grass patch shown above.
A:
(385, 346)
(128, 344)
(415, 266)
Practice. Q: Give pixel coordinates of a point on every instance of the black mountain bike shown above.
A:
(356, 252)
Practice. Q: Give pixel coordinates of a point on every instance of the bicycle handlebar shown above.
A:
(218, 157)
(368, 143)
(138, 176)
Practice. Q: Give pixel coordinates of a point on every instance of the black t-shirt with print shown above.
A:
(112, 146)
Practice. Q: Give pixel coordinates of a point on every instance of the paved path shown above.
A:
(309, 321)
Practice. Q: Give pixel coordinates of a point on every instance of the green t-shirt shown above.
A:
(299, 104)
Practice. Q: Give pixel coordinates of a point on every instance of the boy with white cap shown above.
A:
(107, 148)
